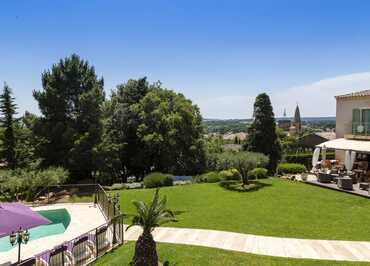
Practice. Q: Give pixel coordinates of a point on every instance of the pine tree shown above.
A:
(262, 135)
(8, 110)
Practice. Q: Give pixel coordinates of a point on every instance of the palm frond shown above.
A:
(153, 214)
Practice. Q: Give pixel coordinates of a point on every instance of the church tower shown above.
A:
(297, 123)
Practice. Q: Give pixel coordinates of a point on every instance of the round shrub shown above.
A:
(157, 179)
(290, 168)
(231, 174)
(257, 173)
(210, 177)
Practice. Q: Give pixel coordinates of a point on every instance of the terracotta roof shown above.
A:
(355, 94)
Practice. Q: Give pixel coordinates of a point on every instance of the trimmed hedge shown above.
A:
(305, 158)
(157, 179)
(290, 168)
(258, 173)
(231, 174)
(210, 177)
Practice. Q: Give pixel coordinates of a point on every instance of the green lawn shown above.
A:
(191, 255)
(280, 208)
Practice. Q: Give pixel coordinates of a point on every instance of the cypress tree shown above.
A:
(262, 136)
(8, 110)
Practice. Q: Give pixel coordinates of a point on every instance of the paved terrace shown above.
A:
(84, 217)
(261, 245)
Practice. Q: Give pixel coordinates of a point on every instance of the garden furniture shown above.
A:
(345, 183)
(83, 250)
(61, 256)
(324, 177)
(364, 186)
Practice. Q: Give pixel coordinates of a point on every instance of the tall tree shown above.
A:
(151, 128)
(8, 110)
(262, 136)
(70, 126)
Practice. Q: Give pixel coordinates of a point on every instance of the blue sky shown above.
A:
(220, 54)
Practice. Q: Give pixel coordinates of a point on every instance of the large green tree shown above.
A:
(262, 136)
(8, 110)
(149, 128)
(70, 125)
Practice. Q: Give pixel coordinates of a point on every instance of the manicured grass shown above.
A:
(279, 208)
(191, 255)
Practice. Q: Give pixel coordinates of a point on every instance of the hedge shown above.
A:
(305, 158)
(257, 173)
(157, 179)
(210, 177)
(290, 168)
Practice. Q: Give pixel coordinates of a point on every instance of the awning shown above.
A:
(362, 146)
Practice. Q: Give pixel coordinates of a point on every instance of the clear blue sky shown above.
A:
(212, 51)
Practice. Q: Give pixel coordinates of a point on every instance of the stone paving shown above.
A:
(84, 217)
(261, 245)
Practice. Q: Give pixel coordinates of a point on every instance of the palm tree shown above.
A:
(149, 216)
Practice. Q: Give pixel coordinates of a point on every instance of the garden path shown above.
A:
(261, 245)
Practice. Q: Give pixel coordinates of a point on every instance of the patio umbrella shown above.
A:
(16, 215)
(323, 153)
(347, 161)
(353, 158)
(315, 157)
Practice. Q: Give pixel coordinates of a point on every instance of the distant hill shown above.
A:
(306, 119)
(223, 126)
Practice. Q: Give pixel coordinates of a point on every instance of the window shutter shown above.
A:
(356, 116)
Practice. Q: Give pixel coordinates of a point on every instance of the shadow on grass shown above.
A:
(237, 186)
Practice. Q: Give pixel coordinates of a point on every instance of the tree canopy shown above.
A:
(262, 136)
(8, 110)
(70, 125)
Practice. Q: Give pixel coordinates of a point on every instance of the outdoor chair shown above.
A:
(83, 250)
(345, 183)
(364, 186)
(61, 257)
(325, 178)
(102, 242)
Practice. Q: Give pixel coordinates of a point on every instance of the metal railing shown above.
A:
(361, 128)
(88, 246)
(85, 248)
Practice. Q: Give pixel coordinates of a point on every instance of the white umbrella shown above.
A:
(315, 157)
(323, 153)
(347, 160)
(353, 158)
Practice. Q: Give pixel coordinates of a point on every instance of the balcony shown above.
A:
(360, 131)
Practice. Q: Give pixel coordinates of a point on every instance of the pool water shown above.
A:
(60, 220)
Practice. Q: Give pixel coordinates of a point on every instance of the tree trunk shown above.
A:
(145, 251)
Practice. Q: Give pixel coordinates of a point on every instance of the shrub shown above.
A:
(231, 174)
(290, 168)
(258, 173)
(157, 179)
(24, 183)
(305, 158)
(211, 177)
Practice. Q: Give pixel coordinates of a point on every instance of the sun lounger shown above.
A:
(61, 257)
(83, 250)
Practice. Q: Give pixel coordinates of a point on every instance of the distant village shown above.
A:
(307, 134)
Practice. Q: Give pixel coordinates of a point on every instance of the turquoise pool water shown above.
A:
(60, 220)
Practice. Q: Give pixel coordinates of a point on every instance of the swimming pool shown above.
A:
(60, 220)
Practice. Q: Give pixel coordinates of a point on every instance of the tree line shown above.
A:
(139, 128)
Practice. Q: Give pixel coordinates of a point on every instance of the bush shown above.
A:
(258, 173)
(23, 184)
(157, 179)
(305, 158)
(211, 177)
(231, 174)
(290, 168)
